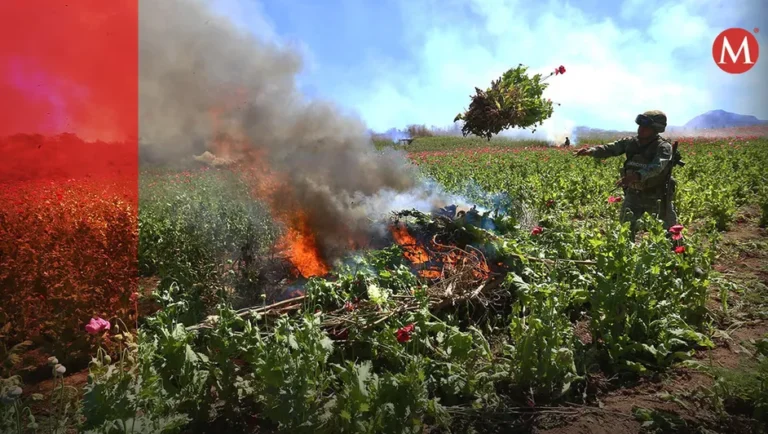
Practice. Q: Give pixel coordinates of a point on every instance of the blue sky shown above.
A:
(399, 62)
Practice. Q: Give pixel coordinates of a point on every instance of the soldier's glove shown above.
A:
(582, 152)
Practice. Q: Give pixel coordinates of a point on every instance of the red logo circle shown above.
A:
(735, 50)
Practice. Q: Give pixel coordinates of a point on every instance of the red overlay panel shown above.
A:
(68, 166)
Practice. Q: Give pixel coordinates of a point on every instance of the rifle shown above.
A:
(677, 160)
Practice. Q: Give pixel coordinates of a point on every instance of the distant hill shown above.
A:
(721, 119)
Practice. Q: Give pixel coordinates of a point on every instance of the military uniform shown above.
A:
(652, 162)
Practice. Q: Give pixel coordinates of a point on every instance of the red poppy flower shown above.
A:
(614, 199)
(404, 333)
(680, 249)
(550, 202)
(537, 230)
(561, 69)
(676, 231)
(349, 306)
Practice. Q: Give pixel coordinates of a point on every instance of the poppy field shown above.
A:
(525, 314)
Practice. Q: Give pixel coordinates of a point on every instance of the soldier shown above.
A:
(646, 176)
(567, 142)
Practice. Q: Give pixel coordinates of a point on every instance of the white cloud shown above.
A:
(677, 27)
(613, 72)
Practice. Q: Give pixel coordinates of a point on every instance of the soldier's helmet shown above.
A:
(655, 119)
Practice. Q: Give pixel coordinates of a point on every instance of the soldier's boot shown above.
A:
(670, 218)
(669, 214)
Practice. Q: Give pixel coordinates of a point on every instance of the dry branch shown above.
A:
(467, 289)
(292, 303)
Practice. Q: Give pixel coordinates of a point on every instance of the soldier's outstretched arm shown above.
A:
(613, 149)
(657, 166)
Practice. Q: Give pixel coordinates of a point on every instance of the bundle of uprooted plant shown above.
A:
(513, 101)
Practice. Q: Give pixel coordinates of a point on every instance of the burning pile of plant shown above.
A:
(439, 260)
(444, 259)
(436, 253)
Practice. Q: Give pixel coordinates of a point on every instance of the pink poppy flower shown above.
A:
(97, 325)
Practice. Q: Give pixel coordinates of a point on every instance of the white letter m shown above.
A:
(727, 46)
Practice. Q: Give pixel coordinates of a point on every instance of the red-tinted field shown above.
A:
(68, 166)
(69, 251)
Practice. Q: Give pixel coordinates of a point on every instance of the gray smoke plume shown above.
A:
(194, 62)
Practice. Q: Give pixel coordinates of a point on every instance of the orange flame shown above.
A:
(412, 250)
(430, 273)
(298, 242)
(418, 255)
(301, 247)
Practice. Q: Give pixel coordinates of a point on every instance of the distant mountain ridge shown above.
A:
(710, 120)
(722, 119)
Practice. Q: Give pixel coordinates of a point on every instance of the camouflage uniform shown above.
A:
(653, 163)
